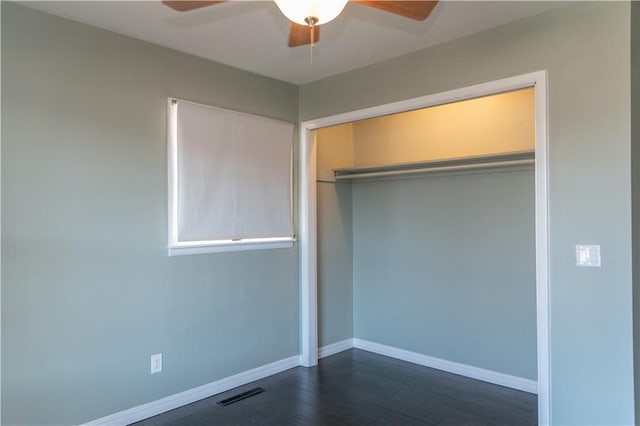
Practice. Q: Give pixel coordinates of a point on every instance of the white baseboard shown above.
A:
(335, 348)
(171, 402)
(160, 406)
(519, 383)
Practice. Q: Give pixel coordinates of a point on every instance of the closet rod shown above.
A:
(490, 165)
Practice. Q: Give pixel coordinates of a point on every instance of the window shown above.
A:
(230, 180)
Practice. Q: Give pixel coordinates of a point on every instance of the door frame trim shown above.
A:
(308, 213)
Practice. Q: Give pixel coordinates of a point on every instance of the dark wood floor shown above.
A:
(361, 388)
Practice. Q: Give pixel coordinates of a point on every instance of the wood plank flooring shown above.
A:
(356, 387)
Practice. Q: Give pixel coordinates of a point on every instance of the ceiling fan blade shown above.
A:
(412, 9)
(299, 35)
(183, 5)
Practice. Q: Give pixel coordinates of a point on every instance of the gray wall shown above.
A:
(445, 266)
(334, 149)
(88, 292)
(635, 186)
(335, 263)
(585, 49)
(85, 277)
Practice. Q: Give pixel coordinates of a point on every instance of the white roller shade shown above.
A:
(233, 173)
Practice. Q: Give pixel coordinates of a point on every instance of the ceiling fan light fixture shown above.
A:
(302, 11)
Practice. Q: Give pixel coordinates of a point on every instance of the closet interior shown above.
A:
(426, 238)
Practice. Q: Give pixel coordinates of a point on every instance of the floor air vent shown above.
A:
(240, 396)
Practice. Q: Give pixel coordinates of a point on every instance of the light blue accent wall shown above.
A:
(585, 49)
(88, 292)
(445, 266)
(335, 263)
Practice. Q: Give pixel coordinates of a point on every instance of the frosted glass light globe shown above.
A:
(323, 10)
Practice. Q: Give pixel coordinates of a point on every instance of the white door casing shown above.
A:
(308, 219)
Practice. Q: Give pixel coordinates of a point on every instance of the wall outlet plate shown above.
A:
(156, 363)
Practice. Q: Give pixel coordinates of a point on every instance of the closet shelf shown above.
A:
(479, 162)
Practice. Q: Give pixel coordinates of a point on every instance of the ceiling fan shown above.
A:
(307, 15)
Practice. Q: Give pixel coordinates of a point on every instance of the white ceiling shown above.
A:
(252, 35)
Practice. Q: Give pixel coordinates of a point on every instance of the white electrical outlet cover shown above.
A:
(156, 363)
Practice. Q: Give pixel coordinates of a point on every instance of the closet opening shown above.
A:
(424, 233)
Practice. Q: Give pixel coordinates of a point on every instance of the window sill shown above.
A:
(181, 249)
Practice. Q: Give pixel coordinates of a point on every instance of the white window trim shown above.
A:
(181, 248)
